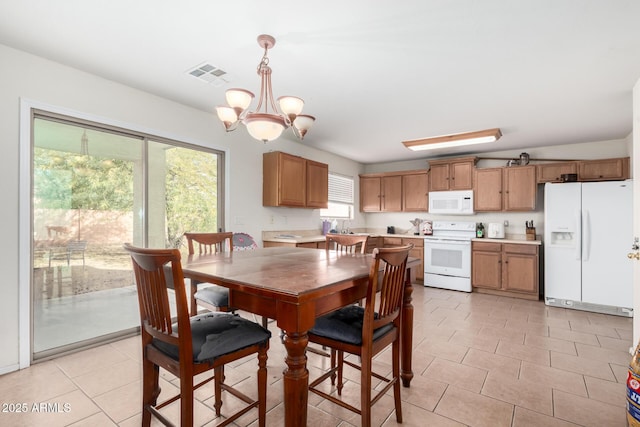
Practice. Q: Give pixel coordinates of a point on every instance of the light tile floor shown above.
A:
(478, 360)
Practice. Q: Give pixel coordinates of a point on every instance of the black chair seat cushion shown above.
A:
(217, 296)
(345, 325)
(217, 334)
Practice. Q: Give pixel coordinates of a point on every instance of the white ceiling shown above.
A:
(373, 73)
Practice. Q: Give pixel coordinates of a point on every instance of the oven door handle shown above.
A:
(448, 242)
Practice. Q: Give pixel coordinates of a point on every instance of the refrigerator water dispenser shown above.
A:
(562, 238)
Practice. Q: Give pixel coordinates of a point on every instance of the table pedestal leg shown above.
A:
(407, 334)
(296, 380)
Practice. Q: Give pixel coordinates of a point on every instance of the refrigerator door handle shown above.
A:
(586, 236)
(578, 235)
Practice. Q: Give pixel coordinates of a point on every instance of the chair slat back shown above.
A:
(155, 271)
(389, 283)
(347, 243)
(209, 243)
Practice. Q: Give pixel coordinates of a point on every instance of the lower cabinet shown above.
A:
(313, 245)
(416, 252)
(506, 268)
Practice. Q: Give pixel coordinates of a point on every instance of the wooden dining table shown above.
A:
(294, 286)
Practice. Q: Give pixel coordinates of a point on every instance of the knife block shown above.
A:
(531, 234)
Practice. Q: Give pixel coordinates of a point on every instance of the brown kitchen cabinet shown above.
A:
(486, 265)
(505, 189)
(312, 245)
(505, 268)
(603, 169)
(294, 181)
(317, 184)
(451, 174)
(552, 172)
(382, 193)
(416, 252)
(415, 192)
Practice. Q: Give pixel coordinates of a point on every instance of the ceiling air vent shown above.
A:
(210, 74)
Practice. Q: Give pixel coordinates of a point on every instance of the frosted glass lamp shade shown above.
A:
(291, 105)
(303, 123)
(239, 99)
(228, 117)
(264, 127)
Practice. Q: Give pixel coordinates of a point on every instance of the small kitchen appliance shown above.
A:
(459, 202)
(495, 230)
(426, 228)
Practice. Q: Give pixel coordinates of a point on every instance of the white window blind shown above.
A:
(340, 188)
(340, 197)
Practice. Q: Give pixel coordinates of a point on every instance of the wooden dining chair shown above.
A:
(347, 243)
(214, 297)
(366, 331)
(191, 345)
(342, 244)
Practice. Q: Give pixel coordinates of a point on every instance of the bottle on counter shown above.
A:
(480, 230)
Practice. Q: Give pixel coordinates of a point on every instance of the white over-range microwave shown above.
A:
(451, 202)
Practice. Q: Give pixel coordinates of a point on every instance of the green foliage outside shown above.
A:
(64, 180)
(191, 193)
(72, 181)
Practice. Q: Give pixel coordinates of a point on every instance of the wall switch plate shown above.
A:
(506, 223)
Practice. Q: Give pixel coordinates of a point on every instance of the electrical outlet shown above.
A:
(506, 223)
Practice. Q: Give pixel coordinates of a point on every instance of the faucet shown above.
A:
(345, 230)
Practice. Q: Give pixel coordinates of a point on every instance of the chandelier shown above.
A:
(263, 125)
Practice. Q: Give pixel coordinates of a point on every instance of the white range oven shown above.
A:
(447, 255)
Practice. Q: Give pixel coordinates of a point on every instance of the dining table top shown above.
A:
(287, 271)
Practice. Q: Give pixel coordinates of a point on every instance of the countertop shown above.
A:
(511, 239)
(300, 238)
(307, 236)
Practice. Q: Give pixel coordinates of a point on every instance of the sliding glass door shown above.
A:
(95, 188)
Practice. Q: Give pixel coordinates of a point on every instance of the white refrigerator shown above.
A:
(588, 233)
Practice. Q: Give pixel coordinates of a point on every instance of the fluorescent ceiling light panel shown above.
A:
(455, 140)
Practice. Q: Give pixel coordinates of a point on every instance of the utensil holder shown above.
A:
(531, 234)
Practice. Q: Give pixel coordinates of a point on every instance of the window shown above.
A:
(340, 197)
(96, 187)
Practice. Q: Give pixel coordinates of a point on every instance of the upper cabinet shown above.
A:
(603, 169)
(552, 172)
(615, 169)
(381, 193)
(451, 174)
(415, 192)
(520, 188)
(496, 189)
(294, 181)
(317, 184)
(505, 189)
(404, 191)
(487, 195)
